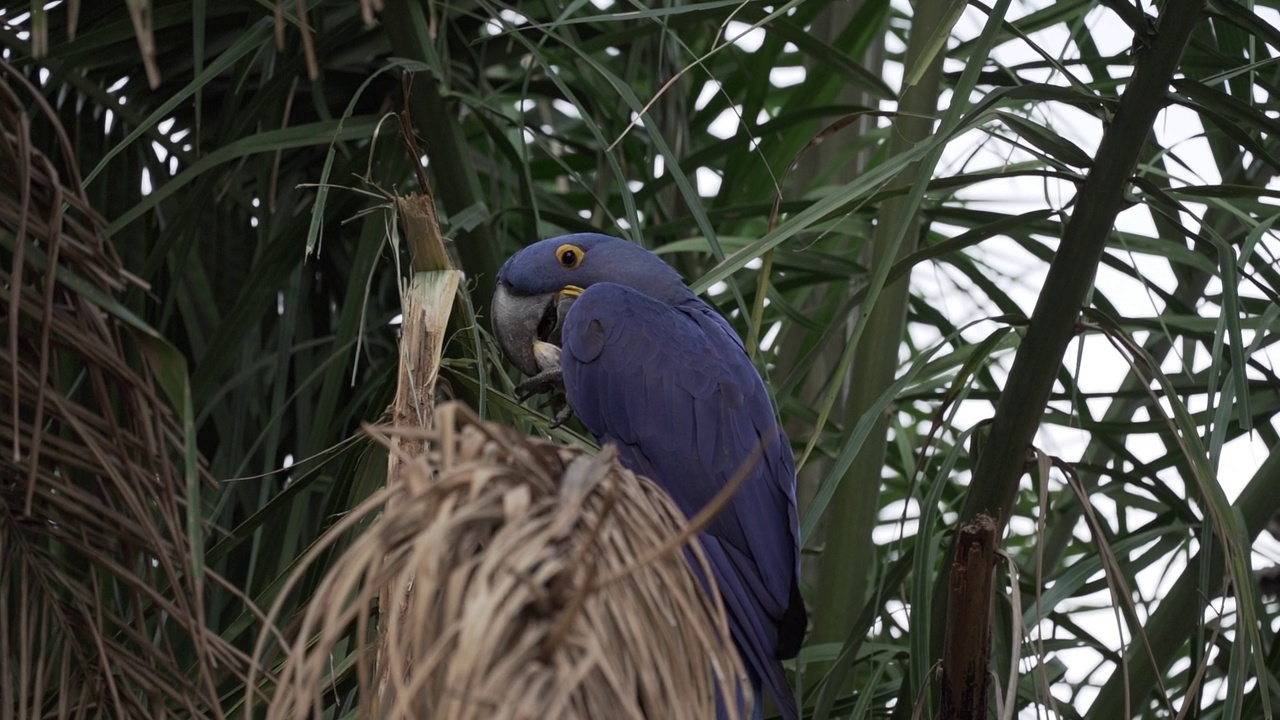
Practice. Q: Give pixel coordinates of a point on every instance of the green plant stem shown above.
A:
(849, 559)
(1070, 278)
(457, 184)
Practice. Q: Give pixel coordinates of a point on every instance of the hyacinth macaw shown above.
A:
(650, 367)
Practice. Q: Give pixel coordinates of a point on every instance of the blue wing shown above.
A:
(674, 390)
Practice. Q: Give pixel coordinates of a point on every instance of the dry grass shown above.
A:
(546, 583)
(100, 593)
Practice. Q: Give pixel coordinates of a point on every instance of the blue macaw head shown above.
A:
(537, 285)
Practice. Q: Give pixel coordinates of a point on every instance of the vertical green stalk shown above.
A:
(847, 564)
(458, 184)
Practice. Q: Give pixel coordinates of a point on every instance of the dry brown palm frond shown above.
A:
(537, 591)
(100, 609)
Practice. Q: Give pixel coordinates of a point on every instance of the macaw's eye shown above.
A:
(569, 255)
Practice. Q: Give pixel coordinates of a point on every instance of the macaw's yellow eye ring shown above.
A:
(569, 256)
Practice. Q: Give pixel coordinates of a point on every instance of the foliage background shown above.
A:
(785, 157)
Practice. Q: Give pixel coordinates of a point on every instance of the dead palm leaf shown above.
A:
(545, 583)
(100, 594)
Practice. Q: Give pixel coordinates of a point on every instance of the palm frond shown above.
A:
(102, 591)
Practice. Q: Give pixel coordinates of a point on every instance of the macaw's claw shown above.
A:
(563, 415)
(545, 381)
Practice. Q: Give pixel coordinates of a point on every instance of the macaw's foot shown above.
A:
(545, 381)
(548, 381)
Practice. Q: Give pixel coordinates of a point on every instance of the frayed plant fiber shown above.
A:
(530, 580)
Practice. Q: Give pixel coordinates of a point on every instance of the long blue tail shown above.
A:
(753, 631)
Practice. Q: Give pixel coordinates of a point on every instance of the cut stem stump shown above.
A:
(426, 305)
(967, 652)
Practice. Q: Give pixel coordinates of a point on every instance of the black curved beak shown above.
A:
(520, 320)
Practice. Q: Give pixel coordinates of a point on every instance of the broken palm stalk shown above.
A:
(967, 652)
(425, 305)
